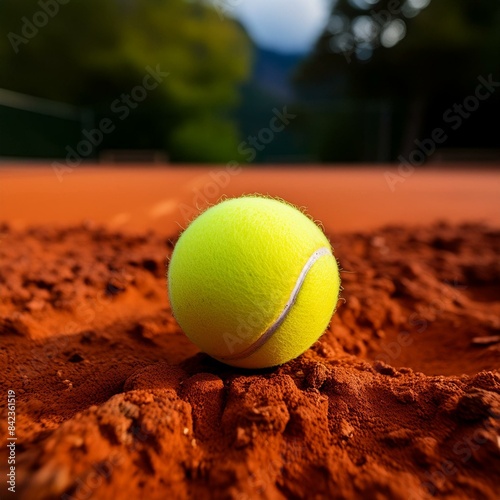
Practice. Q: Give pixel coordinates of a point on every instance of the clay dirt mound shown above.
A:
(399, 399)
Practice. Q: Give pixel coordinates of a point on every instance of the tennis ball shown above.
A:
(253, 282)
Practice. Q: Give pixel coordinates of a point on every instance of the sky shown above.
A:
(289, 26)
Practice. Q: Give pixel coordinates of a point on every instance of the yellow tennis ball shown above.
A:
(253, 282)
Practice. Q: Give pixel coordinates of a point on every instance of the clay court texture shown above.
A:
(399, 399)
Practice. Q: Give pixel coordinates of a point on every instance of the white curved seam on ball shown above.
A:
(281, 318)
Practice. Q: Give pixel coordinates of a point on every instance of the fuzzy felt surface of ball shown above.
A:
(253, 282)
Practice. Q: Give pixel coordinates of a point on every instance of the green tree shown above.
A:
(90, 52)
(421, 56)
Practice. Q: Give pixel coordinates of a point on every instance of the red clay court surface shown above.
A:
(343, 198)
(399, 399)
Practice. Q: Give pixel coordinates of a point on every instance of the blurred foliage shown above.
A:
(213, 139)
(93, 51)
(422, 56)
